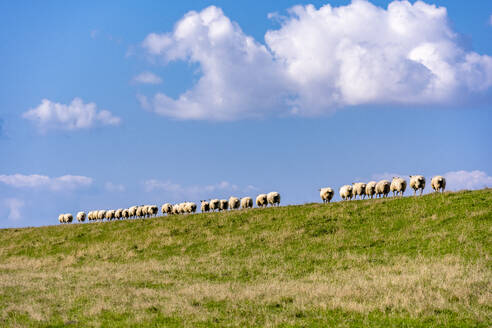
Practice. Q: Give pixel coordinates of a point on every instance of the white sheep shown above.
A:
(81, 216)
(234, 203)
(189, 207)
(326, 194)
(204, 206)
(398, 186)
(175, 209)
(417, 182)
(223, 205)
(383, 188)
(273, 198)
(61, 218)
(67, 218)
(371, 189)
(346, 192)
(125, 214)
(152, 210)
(214, 205)
(110, 215)
(118, 213)
(359, 189)
(101, 215)
(167, 209)
(438, 183)
(132, 211)
(246, 202)
(262, 200)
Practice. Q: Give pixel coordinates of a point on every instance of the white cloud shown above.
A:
(318, 61)
(14, 207)
(147, 78)
(36, 181)
(458, 180)
(112, 187)
(76, 115)
(179, 191)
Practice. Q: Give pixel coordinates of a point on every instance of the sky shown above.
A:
(110, 104)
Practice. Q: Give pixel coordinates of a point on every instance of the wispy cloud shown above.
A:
(36, 181)
(114, 187)
(74, 116)
(457, 180)
(14, 207)
(147, 78)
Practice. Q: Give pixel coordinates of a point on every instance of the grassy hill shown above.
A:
(397, 262)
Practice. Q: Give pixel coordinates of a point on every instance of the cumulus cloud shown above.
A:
(76, 115)
(113, 187)
(14, 207)
(319, 60)
(147, 78)
(179, 190)
(476, 179)
(36, 181)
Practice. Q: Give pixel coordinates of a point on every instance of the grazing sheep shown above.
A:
(81, 216)
(382, 188)
(214, 205)
(234, 203)
(326, 194)
(125, 214)
(204, 206)
(223, 205)
(262, 200)
(346, 192)
(398, 186)
(246, 202)
(371, 189)
(273, 198)
(417, 182)
(438, 183)
(118, 213)
(359, 189)
(101, 214)
(167, 209)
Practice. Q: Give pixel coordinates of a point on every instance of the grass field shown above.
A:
(413, 262)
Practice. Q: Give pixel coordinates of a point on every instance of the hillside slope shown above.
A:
(397, 262)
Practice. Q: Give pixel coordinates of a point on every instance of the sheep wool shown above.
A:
(371, 189)
(124, 214)
(326, 194)
(167, 209)
(273, 198)
(359, 189)
(398, 186)
(118, 213)
(261, 200)
(438, 183)
(417, 182)
(81, 216)
(246, 202)
(383, 188)
(223, 205)
(61, 218)
(204, 206)
(234, 203)
(101, 215)
(67, 218)
(346, 192)
(214, 204)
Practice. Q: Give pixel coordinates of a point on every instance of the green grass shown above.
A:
(407, 262)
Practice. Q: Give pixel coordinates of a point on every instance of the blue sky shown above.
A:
(110, 104)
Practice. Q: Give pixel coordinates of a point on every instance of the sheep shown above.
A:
(81, 216)
(110, 215)
(182, 208)
(398, 185)
(61, 218)
(189, 207)
(101, 214)
(326, 194)
(214, 204)
(262, 200)
(417, 182)
(132, 211)
(359, 189)
(125, 214)
(234, 203)
(223, 205)
(246, 202)
(67, 218)
(371, 189)
(167, 209)
(382, 188)
(118, 213)
(152, 210)
(175, 209)
(204, 206)
(273, 198)
(346, 192)
(438, 183)
(139, 211)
